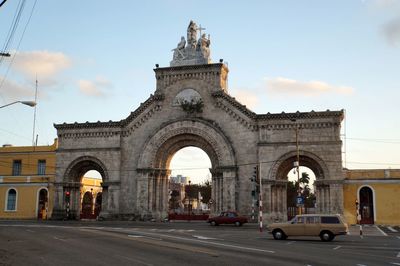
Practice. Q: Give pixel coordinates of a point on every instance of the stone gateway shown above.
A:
(191, 106)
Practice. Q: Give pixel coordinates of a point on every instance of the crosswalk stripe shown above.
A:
(380, 230)
(392, 229)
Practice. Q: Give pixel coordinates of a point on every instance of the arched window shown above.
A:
(11, 200)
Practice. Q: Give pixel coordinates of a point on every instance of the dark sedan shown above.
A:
(228, 217)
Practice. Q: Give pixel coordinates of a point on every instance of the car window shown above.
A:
(330, 220)
(300, 220)
(231, 214)
(312, 220)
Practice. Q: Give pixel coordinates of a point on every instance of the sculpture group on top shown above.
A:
(192, 51)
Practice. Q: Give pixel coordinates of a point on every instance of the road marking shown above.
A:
(392, 229)
(216, 243)
(395, 263)
(30, 231)
(171, 230)
(203, 237)
(361, 265)
(149, 237)
(291, 242)
(398, 255)
(380, 230)
(398, 237)
(335, 248)
(59, 238)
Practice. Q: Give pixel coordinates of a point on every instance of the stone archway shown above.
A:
(158, 152)
(73, 182)
(278, 182)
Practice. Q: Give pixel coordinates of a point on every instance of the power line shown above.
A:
(19, 43)
(387, 141)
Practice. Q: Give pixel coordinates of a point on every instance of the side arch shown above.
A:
(78, 167)
(277, 183)
(308, 159)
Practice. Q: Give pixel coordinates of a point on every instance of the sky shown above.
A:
(94, 61)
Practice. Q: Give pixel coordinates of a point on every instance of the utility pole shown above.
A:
(297, 165)
(34, 116)
(260, 198)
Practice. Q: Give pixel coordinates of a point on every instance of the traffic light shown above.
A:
(255, 179)
(67, 198)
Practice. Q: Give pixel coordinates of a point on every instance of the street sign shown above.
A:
(300, 200)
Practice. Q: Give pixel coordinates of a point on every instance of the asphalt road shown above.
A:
(140, 243)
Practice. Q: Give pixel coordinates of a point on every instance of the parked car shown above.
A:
(227, 217)
(326, 226)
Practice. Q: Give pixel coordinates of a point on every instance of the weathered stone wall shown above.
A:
(135, 151)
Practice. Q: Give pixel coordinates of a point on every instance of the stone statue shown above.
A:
(192, 34)
(179, 50)
(192, 51)
(203, 45)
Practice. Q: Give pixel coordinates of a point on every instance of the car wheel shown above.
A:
(213, 223)
(279, 235)
(326, 236)
(238, 223)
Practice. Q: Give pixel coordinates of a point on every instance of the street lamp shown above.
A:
(29, 103)
(189, 208)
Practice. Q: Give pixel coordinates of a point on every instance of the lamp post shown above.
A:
(189, 208)
(297, 164)
(29, 103)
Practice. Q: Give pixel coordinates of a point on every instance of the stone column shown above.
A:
(267, 201)
(143, 193)
(229, 182)
(336, 198)
(58, 212)
(285, 215)
(111, 193)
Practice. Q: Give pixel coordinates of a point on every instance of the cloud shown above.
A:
(384, 4)
(13, 91)
(391, 31)
(246, 97)
(291, 87)
(44, 64)
(95, 88)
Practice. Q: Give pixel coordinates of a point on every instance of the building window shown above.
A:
(41, 167)
(11, 200)
(17, 167)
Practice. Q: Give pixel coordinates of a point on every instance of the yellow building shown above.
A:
(27, 177)
(91, 197)
(26, 181)
(373, 195)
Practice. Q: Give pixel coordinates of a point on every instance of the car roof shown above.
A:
(317, 214)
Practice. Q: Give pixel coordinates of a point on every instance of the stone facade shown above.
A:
(133, 154)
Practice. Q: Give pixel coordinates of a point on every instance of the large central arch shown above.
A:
(159, 150)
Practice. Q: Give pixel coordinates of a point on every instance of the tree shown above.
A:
(304, 179)
(193, 190)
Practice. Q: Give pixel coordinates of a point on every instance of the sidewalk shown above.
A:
(367, 230)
